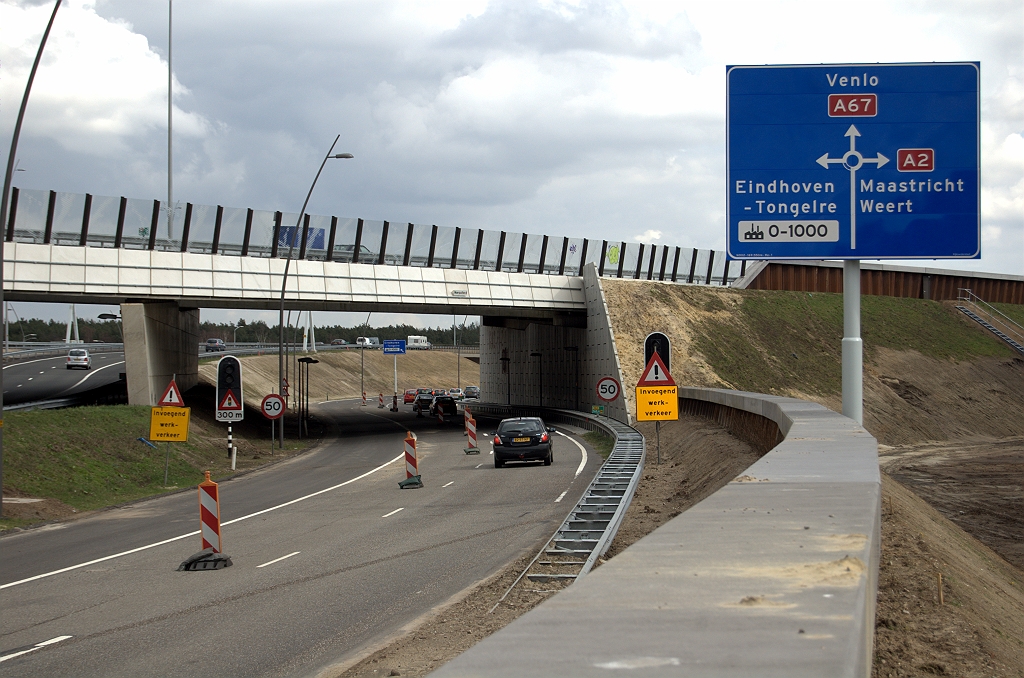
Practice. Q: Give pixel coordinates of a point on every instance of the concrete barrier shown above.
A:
(773, 575)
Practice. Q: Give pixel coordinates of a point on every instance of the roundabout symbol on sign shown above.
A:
(608, 389)
(273, 406)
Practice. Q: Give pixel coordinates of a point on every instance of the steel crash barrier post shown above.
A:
(212, 556)
(471, 434)
(412, 466)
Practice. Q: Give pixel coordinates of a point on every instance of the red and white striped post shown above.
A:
(471, 433)
(412, 465)
(466, 416)
(380, 405)
(209, 514)
(364, 399)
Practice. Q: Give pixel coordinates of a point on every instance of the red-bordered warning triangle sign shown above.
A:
(655, 373)
(171, 397)
(230, 402)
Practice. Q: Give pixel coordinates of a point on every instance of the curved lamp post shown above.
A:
(287, 264)
(11, 159)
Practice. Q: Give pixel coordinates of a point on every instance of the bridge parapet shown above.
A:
(105, 222)
(773, 575)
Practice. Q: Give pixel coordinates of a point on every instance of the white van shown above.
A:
(414, 342)
(368, 342)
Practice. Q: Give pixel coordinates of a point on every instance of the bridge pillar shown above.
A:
(161, 341)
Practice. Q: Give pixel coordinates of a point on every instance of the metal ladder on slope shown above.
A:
(989, 317)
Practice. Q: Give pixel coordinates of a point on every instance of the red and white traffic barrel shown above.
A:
(209, 514)
(471, 437)
(412, 465)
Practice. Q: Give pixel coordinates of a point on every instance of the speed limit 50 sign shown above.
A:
(608, 389)
(273, 406)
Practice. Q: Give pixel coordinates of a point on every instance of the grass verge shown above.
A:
(777, 341)
(602, 443)
(90, 457)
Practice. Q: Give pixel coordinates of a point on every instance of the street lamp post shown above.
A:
(8, 177)
(114, 316)
(576, 368)
(287, 264)
(304, 395)
(540, 377)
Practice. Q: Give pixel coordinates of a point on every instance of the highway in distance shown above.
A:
(46, 378)
(330, 558)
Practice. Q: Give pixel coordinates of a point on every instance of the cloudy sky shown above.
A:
(604, 119)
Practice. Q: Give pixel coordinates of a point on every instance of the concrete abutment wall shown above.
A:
(161, 342)
(575, 352)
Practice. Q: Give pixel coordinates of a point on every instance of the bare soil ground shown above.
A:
(976, 630)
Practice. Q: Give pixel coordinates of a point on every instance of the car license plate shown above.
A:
(520, 440)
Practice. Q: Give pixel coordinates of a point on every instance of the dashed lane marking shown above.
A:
(393, 512)
(278, 560)
(192, 534)
(33, 648)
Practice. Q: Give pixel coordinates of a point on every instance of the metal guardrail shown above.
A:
(991, 318)
(590, 527)
(18, 351)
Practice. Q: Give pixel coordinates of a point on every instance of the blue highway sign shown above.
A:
(394, 346)
(854, 161)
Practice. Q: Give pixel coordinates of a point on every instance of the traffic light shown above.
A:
(229, 389)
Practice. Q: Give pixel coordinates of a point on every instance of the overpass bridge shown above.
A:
(539, 295)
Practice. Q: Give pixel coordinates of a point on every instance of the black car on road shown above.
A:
(522, 439)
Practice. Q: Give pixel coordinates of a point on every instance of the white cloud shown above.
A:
(99, 84)
(648, 235)
(568, 118)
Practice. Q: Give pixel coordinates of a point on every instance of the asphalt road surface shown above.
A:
(48, 378)
(330, 558)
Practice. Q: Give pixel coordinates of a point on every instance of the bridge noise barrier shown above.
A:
(211, 557)
(471, 437)
(412, 465)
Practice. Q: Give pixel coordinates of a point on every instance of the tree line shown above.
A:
(109, 331)
(259, 331)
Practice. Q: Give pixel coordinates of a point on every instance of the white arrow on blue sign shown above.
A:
(394, 346)
(854, 161)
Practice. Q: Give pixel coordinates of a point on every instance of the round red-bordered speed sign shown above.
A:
(273, 406)
(608, 389)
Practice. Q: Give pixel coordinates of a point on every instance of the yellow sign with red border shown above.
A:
(657, 396)
(169, 424)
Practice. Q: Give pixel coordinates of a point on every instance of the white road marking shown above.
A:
(194, 533)
(29, 362)
(37, 646)
(583, 450)
(92, 372)
(447, 484)
(561, 496)
(478, 466)
(31, 378)
(393, 512)
(277, 560)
